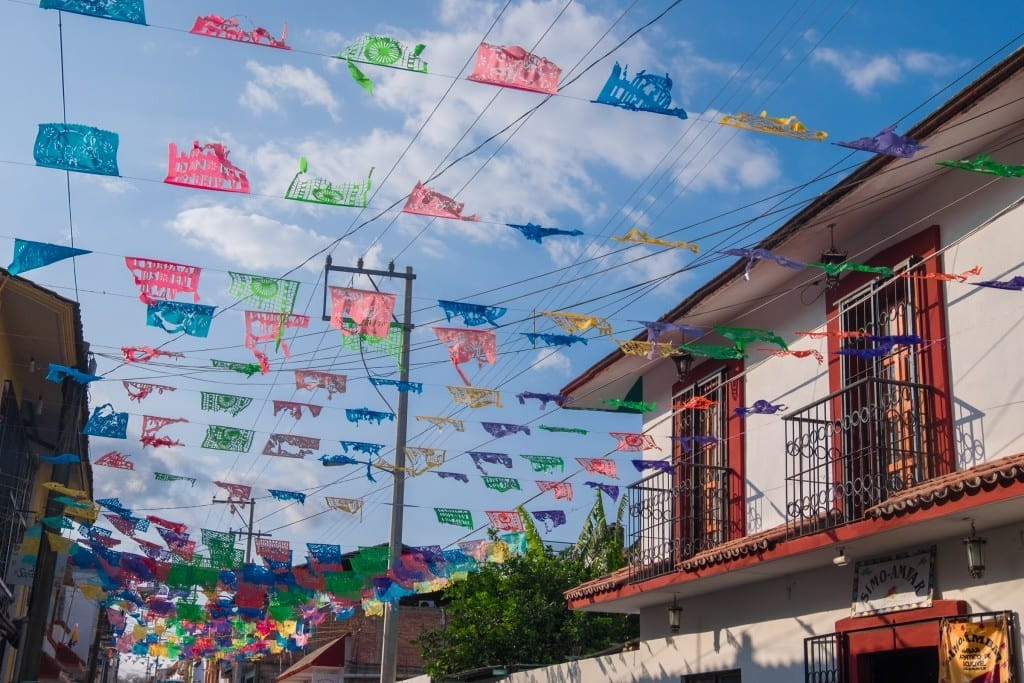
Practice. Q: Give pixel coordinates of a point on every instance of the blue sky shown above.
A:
(849, 69)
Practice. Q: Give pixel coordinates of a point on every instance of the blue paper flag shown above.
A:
(472, 314)
(131, 11)
(62, 459)
(29, 255)
(105, 421)
(554, 339)
(288, 495)
(58, 373)
(645, 92)
(180, 317)
(74, 147)
(536, 233)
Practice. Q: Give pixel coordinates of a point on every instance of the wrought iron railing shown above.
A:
(673, 517)
(854, 449)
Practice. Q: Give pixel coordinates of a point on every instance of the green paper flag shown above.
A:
(453, 516)
(161, 476)
(224, 403)
(502, 484)
(712, 351)
(545, 463)
(247, 369)
(566, 430)
(835, 269)
(359, 77)
(744, 335)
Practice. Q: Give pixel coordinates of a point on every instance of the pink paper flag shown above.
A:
(205, 167)
(370, 311)
(295, 409)
(513, 67)
(140, 390)
(229, 29)
(115, 459)
(144, 354)
(605, 466)
(506, 520)
(151, 425)
(163, 279)
(266, 326)
(273, 549)
(561, 489)
(427, 202)
(311, 380)
(634, 442)
(238, 493)
(467, 345)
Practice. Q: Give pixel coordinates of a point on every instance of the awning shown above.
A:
(331, 654)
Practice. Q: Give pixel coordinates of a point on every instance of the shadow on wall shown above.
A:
(969, 432)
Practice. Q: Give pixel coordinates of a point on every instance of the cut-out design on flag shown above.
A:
(125, 526)
(115, 459)
(205, 167)
(442, 422)
(224, 403)
(457, 476)
(357, 415)
(645, 92)
(688, 441)
(662, 466)
(715, 351)
(550, 518)
(760, 407)
(983, 163)
(695, 403)
(796, 353)
(467, 345)
(554, 339)
(370, 311)
(29, 255)
(837, 269)
(472, 314)
(279, 494)
(361, 447)
(424, 201)
(603, 466)
(385, 51)
(561, 489)
(151, 425)
(789, 127)
(273, 549)
(338, 459)
(649, 350)
(851, 334)
(304, 188)
(1014, 284)
(58, 373)
(349, 505)
(163, 279)
(247, 369)
(295, 409)
(237, 493)
(161, 476)
(609, 490)
(634, 406)
(475, 397)
(140, 390)
(403, 387)
(559, 399)
(501, 484)
(422, 459)
(537, 233)
(510, 66)
(74, 147)
(306, 445)
(177, 317)
(228, 28)
(763, 255)
(311, 380)
(493, 458)
(454, 516)
(264, 293)
(505, 520)
(564, 430)
(657, 328)
(130, 11)
(545, 463)
(638, 236)
(578, 323)
(632, 441)
(144, 354)
(262, 327)
(105, 421)
(221, 438)
(887, 142)
(502, 429)
(885, 345)
(942, 277)
(355, 340)
(741, 336)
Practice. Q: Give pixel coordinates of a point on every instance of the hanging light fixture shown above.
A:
(675, 613)
(832, 257)
(975, 546)
(683, 363)
(32, 364)
(841, 559)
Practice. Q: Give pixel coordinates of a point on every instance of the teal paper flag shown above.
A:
(29, 255)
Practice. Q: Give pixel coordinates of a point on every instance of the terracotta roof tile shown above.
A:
(753, 544)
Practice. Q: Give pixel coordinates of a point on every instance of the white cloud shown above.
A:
(552, 363)
(272, 83)
(864, 72)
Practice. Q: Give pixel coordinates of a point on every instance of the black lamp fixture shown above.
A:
(975, 546)
(675, 614)
(683, 362)
(832, 257)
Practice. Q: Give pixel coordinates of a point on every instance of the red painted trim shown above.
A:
(940, 609)
(804, 544)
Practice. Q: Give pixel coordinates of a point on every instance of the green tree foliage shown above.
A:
(515, 613)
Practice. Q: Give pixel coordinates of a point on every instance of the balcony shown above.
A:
(855, 448)
(672, 517)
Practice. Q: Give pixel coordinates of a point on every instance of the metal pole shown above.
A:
(248, 543)
(389, 655)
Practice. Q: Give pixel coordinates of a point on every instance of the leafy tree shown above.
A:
(515, 613)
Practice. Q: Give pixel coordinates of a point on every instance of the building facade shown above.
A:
(811, 522)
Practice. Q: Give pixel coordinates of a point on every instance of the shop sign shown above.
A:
(894, 583)
(974, 651)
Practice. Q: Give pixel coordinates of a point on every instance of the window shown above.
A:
(731, 676)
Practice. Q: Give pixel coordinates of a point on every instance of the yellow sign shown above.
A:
(974, 652)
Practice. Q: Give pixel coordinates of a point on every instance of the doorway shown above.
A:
(899, 666)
